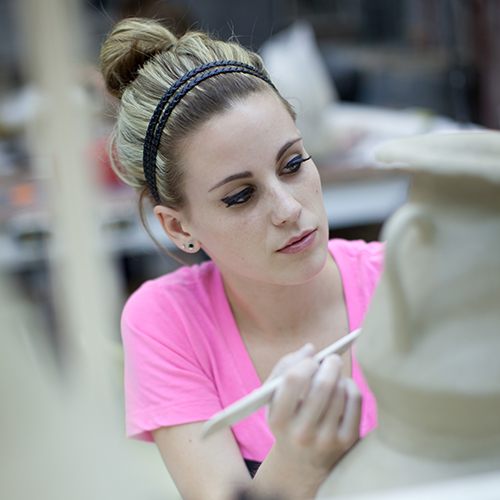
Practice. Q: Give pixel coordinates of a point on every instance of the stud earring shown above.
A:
(190, 246)
(184, 247)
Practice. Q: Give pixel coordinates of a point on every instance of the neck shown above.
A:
(278, 311)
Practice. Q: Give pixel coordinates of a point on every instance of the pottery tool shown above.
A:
(261, 396)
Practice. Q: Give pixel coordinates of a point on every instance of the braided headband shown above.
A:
(171, 98)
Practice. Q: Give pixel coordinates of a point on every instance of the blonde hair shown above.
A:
(140, 60)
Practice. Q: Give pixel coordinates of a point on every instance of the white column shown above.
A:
(84, 291)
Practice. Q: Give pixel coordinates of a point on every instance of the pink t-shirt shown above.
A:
(185, 359)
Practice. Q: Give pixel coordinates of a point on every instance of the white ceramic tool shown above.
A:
(261, 396)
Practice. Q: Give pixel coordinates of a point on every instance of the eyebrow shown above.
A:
(289, 144)
(247, 174)
(234, 177)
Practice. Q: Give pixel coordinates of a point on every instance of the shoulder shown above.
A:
(360, 265)
(373, 249)
(358, 253)
(169, 329)
(181, 290)
(359, 262)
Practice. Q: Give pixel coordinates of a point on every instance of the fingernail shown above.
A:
(307, 348)
(334, 358)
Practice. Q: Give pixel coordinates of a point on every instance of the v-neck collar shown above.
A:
(247, 373)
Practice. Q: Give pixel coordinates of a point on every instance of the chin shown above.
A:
(308, 270)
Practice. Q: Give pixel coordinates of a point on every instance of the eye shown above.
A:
(294, 164)
(239, 198)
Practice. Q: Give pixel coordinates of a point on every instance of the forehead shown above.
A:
(258, 125)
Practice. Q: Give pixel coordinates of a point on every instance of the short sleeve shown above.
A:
(167, 380)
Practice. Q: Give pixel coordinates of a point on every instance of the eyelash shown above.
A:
(294, 164)
(243, 196)
(239, 198)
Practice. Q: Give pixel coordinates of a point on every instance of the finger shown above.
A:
(287, 396)
(306, 351)
(349, 425)
(321, 392)
(333, 414)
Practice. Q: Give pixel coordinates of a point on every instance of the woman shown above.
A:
(203, 134)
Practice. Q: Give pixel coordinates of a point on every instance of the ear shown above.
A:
(170, 220)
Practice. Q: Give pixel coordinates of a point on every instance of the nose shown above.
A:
(285, 208)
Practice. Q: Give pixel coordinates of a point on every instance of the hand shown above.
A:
(289, 360)
(315, 414)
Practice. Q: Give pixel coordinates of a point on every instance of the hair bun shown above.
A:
(131, 43)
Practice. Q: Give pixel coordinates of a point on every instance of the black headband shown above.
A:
(166, 105)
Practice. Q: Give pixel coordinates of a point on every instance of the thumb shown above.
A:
(287, 361)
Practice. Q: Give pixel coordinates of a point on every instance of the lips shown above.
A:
(298, 243)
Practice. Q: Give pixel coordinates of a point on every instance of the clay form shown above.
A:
(476, 487)
(430, 347)
(261, 396)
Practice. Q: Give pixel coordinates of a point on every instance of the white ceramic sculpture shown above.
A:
(430, 345)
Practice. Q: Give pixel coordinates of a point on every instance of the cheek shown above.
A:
(311, 190)
(318, 191)
(231, 232)
(245, 236)
(250, 223)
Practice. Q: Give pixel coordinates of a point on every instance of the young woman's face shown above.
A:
(255, 201)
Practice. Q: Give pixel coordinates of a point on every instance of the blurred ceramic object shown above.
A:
(297, 68)
(430, 345)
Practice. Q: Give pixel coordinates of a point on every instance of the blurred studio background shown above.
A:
(71, 246)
